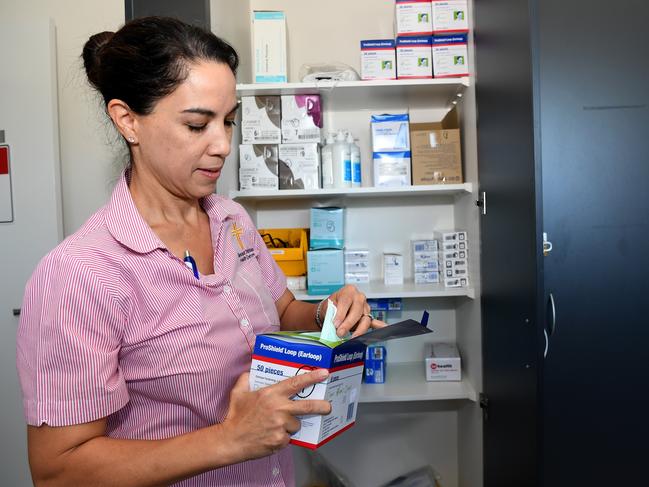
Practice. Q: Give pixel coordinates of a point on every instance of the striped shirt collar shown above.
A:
(127, 226)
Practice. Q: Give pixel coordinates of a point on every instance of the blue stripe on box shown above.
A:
(451, 39)
(271, 79)
(269, 15)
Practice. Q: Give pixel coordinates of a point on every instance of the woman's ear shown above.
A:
(124, 119)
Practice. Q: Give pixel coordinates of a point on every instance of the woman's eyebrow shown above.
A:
(200, 111)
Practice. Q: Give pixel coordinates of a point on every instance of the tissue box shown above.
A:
(301, 118)
(378, 60)
(443, 362)
(280, 355)
(326, 271)
(413, 18)
(258, 167)
(260, 120)
(327, 228)
(450, 56)
(414, 57)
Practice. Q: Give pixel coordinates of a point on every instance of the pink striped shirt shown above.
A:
(114, 325)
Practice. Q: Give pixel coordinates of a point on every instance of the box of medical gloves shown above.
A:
(281, 355)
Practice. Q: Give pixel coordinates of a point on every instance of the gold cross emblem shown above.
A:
(237, 232)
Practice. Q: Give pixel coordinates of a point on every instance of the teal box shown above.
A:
(325, 271)
(327, 228)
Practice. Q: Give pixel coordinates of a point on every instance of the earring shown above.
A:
(131, 140)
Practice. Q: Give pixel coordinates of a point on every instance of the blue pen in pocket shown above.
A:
(191, 263)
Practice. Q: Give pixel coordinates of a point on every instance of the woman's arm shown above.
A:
(258, 423)
(353, 311)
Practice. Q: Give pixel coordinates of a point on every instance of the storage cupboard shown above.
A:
(406, 423)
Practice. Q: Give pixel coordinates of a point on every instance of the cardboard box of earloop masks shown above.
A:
(278, 356)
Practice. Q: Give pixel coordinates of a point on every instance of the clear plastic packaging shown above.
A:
(310, 73)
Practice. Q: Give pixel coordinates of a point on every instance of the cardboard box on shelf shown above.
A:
(299, 166)
(260, 120)
(326, 271)
(412, 18)
(378, 59)
(443, 362)
(301, 118)
(258, 166)
(436, 151)
(450, 16)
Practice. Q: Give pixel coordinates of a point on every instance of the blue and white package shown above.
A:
(450, 56)
(281, 355)
(325, 271)
(390, 132)
(327, 228)
(378, 59)
(375, 364)
(414, 57)
(391, 169)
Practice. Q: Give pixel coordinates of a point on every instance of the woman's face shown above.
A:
(183, 142)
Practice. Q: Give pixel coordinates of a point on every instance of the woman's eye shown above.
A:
(196, 128)
(230, 123)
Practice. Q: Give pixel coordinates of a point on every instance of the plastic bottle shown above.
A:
(342, 162)
(355, 158)
(328, 162)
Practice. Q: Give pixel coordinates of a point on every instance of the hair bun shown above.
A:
(91, 55)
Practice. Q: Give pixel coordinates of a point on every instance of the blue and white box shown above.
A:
(414, 57)
(450, 16)
(413, 18)
(281, 355)
(269, 47)
(327, 228)
(375, 364)
(450, 56)
(325, 271)
(378, 59)
(391, 150)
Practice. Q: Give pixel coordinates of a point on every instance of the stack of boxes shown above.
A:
(425, 261)
(455, 248)
(280, 142)
(431, 41)
(357, 266)
(325, 259)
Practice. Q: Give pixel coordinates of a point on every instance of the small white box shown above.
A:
(391, 169)
(299, 166)
(427, 277)
(459, 263)
(452, 272)
(414, 57)
(413, 18)
(455, 246)
(425, 256)
(455, 254)
(450, 17)
(456, 282)
(269, 47)
(356, 265)
(392, 269)
(452, 235)
(357, 278)
(301, 118)
(427, 266)
(258, 166)
(431, 245)
(260, 120)
(443, 362)
(378, 59)
(296, 283)
(450, 56)
(356, 255)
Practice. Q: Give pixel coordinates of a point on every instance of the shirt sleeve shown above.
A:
(68, 343)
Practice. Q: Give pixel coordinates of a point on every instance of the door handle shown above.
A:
(547, 344)
(553, 315)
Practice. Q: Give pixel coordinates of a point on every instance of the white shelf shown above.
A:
(407, 382)
(376, 289)
(358, 95)
(428, 190)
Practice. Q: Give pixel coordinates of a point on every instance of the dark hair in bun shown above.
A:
(148, 58)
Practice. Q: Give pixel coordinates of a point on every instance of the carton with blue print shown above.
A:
(281, 355)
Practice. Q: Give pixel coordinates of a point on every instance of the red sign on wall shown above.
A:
(4, 159)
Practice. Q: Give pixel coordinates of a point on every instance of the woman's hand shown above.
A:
(353, 312)
(261, 422)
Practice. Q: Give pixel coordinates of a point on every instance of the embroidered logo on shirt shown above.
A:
(246, 253)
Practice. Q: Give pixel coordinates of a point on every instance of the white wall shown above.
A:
(89, 161)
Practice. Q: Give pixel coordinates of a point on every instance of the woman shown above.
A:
(132, 370)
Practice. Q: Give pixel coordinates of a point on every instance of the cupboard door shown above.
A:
(594, 93)
(509, 259)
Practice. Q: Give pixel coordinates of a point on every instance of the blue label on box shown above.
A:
(375, 364)
(415, 41)
(450, 39)
(305, 353)
(377, 44)
(402, 117)
(269, 15)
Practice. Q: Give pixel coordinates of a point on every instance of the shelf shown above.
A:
(407, 382)
(377, 289)
(358, 95)
(428, 190)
